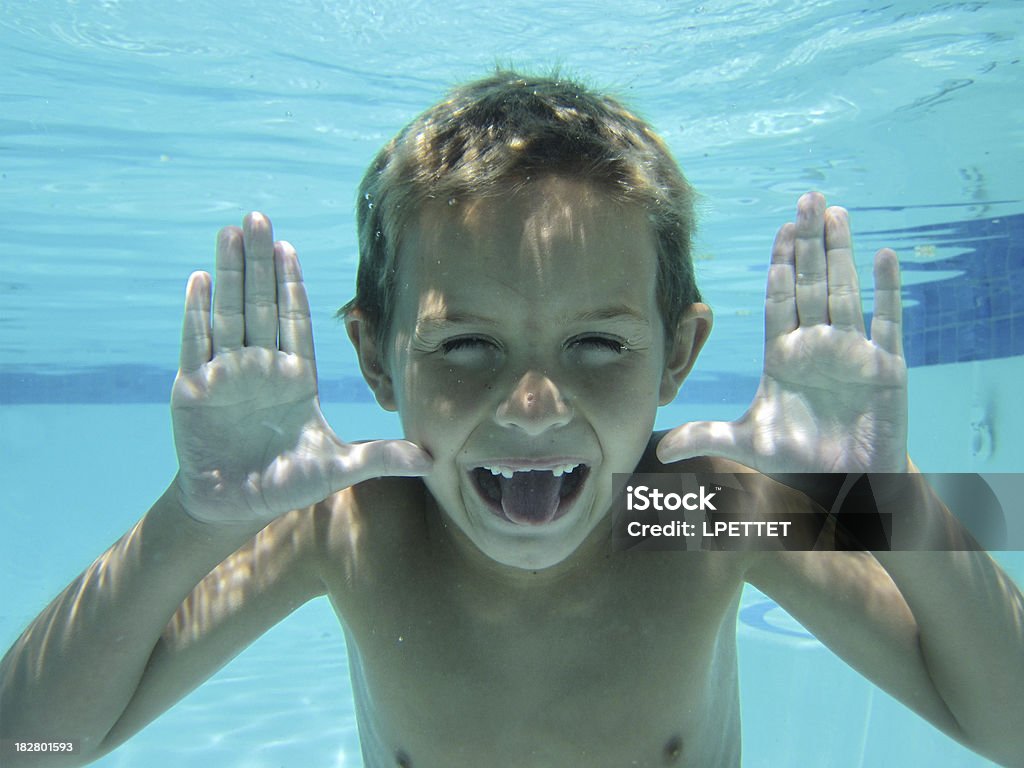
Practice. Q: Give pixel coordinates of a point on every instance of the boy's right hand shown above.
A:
(252, 443)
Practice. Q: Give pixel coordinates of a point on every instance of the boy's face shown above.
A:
(527, 355)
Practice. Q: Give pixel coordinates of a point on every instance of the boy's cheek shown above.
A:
(453, 402)
(438, 420)
(628, 391)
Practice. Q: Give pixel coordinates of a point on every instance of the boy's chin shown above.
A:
(531, 548)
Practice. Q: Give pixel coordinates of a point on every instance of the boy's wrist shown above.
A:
(206, 525)
(920, 519)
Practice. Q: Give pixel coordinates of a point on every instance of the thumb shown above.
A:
(357, 462)
(704, 438)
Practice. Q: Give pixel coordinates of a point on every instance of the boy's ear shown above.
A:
(691, 333)
(371, 362)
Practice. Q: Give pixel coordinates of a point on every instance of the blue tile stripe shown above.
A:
(130, 384)
(152, 384)
(977, 315)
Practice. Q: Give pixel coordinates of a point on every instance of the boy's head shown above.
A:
(491, 137)
(525, 300)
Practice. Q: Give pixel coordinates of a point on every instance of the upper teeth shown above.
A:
(507, 472)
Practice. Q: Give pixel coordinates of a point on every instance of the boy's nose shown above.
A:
(534, 405)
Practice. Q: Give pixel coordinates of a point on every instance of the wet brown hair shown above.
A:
(489, 137)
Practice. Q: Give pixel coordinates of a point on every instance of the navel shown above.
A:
(673, 750)
(402, 759)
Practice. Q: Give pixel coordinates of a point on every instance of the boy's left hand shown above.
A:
(830, 399)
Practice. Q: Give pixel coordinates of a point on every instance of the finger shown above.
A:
(887, 321)
(228, 318)
(809, 251)
(380, 458)
(844, 308)
(296, 329)
(704, 438)
(260, 286)
(195, 329)
(780, 301)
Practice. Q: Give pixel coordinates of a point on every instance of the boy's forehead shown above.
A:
(545, 224)
(553, 202)
(554, 250)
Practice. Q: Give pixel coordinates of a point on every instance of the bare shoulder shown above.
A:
(821, 588)
(288, 563)
(361, 533)
(767, 498)
(373, 512)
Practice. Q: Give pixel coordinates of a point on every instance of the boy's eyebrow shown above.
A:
(442, 319)
(616, 312)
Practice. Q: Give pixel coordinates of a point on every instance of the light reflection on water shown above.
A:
(132, 131)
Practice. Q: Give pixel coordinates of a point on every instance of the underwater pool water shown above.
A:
(132, 131)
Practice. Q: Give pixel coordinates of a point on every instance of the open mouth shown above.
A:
(530, 497)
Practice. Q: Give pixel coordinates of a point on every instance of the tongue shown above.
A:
(530, 497)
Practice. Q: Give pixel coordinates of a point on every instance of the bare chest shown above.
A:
(621, 670)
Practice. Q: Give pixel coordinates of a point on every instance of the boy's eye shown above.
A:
(597, 349)
(468, 349)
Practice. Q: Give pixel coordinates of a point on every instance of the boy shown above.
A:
(525, 300)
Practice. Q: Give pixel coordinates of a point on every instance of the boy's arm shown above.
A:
(943, 632)
(969, 617)
(135, 632)
(942, 629)
(266, 579)
(148, 621)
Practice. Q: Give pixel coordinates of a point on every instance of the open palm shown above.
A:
(252, 442)
(830, 399)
